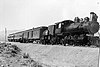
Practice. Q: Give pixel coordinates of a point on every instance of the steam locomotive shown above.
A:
(78, 32)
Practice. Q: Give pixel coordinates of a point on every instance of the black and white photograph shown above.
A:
(49, 33)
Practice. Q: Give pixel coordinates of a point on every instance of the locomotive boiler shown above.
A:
(77, 32)
(88, 26)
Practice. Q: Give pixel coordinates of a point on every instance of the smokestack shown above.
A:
(93, 16)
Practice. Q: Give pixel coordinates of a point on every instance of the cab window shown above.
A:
(59, 26)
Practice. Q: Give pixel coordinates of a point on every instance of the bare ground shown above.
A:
(12, 56)
(60, 56)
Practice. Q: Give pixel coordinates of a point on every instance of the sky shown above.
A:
(26, 14)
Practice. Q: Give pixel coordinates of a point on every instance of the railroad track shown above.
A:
(23, 44)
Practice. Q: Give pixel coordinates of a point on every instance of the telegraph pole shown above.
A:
(99, 48)
(5, 34)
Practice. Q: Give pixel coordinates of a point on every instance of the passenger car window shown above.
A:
(28, 35)
(32, 34)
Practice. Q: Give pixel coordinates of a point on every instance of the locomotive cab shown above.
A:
(60, 26)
